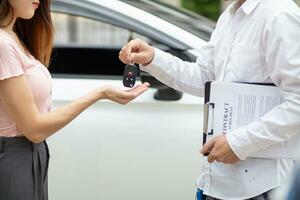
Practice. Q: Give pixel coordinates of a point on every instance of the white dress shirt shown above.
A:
(260, 42)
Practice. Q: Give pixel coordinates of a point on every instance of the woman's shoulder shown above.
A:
(10, 59)
(6, 43)
(8, 49)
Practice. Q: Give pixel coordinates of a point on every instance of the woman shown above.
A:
(26, 121)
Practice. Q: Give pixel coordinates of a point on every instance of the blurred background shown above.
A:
(209, 8)
(157, 160)
(76, 30)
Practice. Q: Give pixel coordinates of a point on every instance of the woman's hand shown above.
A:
(123, 96)
(137, 51)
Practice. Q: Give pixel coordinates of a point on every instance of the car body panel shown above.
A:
(147, 149)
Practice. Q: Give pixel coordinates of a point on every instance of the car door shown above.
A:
(145, 150)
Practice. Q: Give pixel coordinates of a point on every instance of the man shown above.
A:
(254, 41)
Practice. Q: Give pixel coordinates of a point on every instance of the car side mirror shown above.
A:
(164, 92)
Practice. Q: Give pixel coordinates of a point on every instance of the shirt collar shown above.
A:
(249, 6)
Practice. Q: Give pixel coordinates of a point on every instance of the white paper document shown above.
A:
(233, 105)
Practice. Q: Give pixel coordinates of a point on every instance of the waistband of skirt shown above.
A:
(20, 144)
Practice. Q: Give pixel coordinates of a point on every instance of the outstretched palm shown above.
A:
(124, 96)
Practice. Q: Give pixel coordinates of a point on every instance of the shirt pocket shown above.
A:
(246, 64)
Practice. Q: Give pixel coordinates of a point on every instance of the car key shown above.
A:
(129, 77)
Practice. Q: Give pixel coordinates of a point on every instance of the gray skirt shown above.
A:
(23, 169)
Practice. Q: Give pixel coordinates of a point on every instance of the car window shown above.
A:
(86, 47)
(76, 30)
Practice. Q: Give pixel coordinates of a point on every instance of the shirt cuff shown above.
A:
(241, 143)
(154, 66)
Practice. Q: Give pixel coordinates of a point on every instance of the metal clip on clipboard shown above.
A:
(208, 114)
(208, 120)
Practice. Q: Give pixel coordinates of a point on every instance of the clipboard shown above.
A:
(210, 106)
(206, 108)
(210, 113)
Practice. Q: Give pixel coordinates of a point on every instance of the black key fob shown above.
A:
(129, 76)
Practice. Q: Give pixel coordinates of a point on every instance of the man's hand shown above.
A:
(219, 150)
(137, 51)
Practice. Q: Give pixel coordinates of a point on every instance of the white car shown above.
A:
(146, 150)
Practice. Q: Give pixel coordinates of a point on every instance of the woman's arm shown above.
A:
(19, 102)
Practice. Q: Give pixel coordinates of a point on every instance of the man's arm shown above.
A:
(180, 75)
(281, 43)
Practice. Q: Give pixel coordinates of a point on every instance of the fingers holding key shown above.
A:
(136, 51)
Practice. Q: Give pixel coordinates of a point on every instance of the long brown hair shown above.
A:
(36, 33)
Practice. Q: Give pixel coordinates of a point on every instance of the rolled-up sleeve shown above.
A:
(282, 58)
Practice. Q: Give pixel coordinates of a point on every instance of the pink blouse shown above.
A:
(14, 62)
